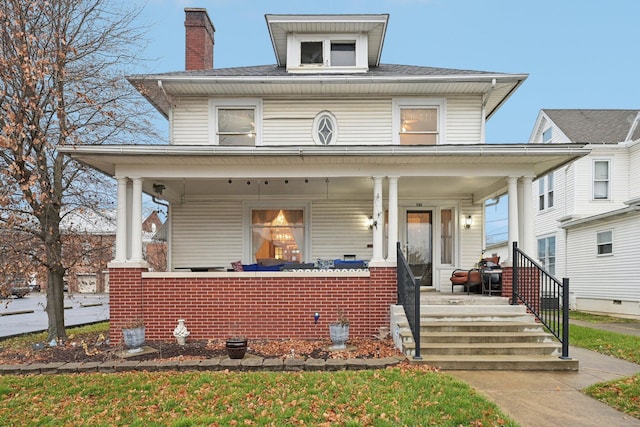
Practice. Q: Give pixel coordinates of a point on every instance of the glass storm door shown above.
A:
(419, 246)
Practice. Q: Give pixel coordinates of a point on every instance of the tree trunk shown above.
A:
(55, 306)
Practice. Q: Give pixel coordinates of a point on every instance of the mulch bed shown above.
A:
(95, 348)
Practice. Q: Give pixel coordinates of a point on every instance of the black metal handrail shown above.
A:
(409, 297)
(543, 295)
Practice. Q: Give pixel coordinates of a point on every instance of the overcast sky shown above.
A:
(578, 53)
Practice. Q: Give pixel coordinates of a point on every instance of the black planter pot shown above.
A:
(236, 347)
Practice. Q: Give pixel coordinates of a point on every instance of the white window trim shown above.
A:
(545, 192)
(316, 122)
(439, 103)
(548, 129)
(593, 179)
(214, 104)
(598, 244)
(247, 207)
(555, 248)
(293, 52)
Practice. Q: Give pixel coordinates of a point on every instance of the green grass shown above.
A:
(622, 394)
(27, 340)
(390, 397)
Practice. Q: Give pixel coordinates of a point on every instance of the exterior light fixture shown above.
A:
(316, 316)
(468, 221)
(371, 223)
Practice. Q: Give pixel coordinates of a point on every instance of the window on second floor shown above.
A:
(235, 122)
(547, 253)
(546, 135)
(545, 192)
(331, 52)
(418, 122)
(601, 180)
(604, 243)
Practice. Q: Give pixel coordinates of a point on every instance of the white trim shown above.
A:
(246, 103)
(593, 178)
(598, 244)
(316, 123)
(399, 103)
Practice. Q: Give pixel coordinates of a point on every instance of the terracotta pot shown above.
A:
(236, 347)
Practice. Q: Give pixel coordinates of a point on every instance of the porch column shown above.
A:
(136, 221)
(393, 219)
(513, 214)
(528, 237)
(121, 221)
(378, 220)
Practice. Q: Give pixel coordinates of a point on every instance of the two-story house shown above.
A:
(326, 155)
(588, 212)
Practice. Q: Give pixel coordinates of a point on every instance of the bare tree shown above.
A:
(62, 67)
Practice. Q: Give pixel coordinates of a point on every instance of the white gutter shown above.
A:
(602, 216)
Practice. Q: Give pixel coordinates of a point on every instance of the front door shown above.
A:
(419, 244)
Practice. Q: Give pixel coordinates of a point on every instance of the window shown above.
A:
(547, 253)
(325, 128)
(235, 122)
(418, 121)
(545, 192)
(277, 234)
(605, 242)
(546, 135)
(331, 52)
(446, 236)
(601, 179)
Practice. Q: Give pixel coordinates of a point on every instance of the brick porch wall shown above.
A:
(529, 284)
(256, 307)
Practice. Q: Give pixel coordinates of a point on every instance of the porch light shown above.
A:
(468, 222)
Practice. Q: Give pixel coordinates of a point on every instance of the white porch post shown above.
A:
(378, 220)
(136, 221)
(528, 229)
(393, 220)
(121, 224)
(513, 214)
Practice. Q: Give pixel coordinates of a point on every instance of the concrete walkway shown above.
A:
(534, 398)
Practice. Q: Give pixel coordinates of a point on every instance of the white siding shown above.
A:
(634, 165)
(340, 228)
(613, 277)
(191, 121)
(464, 120)
(206, 234)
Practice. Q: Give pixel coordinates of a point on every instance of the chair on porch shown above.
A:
(468, 279)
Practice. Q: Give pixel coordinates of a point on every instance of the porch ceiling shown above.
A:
(463, 171)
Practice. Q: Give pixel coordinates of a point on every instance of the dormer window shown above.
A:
(328, 52)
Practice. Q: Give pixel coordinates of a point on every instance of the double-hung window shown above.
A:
(601, 180)
(604, 242)
(418, 121)
(547, 253)
(235, 122)
(545, 192)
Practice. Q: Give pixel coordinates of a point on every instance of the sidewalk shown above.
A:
(554, 398)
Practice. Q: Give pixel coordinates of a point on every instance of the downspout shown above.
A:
(483, 113)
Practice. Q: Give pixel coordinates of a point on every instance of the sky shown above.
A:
(578, 53)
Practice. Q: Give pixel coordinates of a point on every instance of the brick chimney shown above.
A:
(198, 39)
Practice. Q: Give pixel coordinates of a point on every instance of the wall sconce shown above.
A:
(468, 222)
(372, 223)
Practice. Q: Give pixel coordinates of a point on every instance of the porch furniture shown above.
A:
(200, 269)
(491, 281)
(468, 279)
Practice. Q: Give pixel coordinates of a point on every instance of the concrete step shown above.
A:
(480, 337)
(498, 362)
(479, 327)
(473, 317)
(509, 348)
(456, 299)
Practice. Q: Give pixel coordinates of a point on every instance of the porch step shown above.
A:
(498, 363)
(437, 298)
(472, 334)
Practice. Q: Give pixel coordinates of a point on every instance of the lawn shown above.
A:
(391, 397)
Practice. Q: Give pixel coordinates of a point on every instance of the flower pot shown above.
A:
(133, 339)
(236, 347)
(339, 334)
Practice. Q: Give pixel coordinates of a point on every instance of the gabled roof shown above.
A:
(597, 126)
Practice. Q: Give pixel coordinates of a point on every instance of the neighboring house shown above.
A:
(588, 212)
(327, 154)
